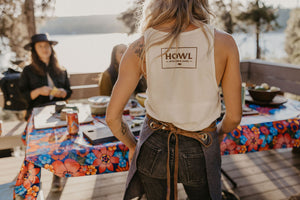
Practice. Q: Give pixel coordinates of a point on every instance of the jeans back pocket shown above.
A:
(152, 161)
(192, 169)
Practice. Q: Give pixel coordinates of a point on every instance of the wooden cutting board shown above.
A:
(45, 117)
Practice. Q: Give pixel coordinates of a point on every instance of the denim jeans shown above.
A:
(152, 169)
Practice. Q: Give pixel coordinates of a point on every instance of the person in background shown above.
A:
(110, 75)
(184, 60)
(44, 81)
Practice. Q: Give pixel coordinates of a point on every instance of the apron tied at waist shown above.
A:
(203, 136)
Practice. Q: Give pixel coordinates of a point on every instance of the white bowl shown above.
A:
(99, 104)
(99, 100)
(98, 109)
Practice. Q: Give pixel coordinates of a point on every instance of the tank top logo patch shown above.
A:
(181, 57)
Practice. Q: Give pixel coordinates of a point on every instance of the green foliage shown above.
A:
(14, 23)
(262, 17)
(130, 17)
(292, 44)
(226, 15)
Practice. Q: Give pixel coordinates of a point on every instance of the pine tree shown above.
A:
(292, 44)
(262, 17)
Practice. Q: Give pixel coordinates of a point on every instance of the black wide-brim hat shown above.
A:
(42, 37)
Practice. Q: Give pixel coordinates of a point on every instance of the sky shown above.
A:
(90, 7)
(104, 7)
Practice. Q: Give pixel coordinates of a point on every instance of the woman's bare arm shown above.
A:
(129, 75)
(231, 83)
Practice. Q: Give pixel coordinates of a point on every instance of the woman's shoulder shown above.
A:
(223, 38)
(28, 68)
(224, 41)
(138, 42)
(137, 47)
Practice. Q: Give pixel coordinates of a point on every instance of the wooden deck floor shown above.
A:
(268, 175)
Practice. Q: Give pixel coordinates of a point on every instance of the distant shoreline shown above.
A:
(93, 24)
(101, 24)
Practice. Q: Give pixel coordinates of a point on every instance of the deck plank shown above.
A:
(269, 175)
(264, 175)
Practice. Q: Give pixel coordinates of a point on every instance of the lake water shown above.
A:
(91, 52)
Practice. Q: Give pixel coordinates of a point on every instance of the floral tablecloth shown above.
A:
(56, 151)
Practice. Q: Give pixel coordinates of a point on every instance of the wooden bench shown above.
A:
(83, 86)
(284, 76)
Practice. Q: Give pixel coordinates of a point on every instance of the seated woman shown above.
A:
(44, 81)
(110, 75)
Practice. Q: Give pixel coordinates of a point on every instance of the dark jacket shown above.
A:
(30, 81)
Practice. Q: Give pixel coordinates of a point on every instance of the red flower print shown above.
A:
(237, 132)
(283, 141)
(49, 167)
(32, 192)
(229, 146)
(294, 127)
(264, 130)
(247, 131)
(123, 147)
(255, 130)
(91, 170)
(241, 148)
(28, 175)
(83, 151)
(88, 170)
(122, 169)
(252, 141)
(264, 110)
(67, 168)
(58, 153)
(265, 148)
(112, 148)
(285, 123)
(105, 159)
(22, 174)
(281, 128)
(296, 143)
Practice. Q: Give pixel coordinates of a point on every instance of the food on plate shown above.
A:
(263, 92)
(267, 88)
(274, 89)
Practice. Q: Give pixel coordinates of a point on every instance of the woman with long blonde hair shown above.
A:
(184, 60)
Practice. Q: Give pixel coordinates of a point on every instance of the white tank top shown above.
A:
(182, 87)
